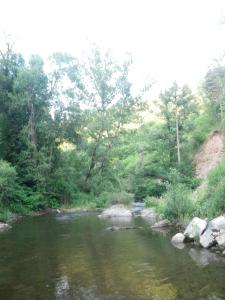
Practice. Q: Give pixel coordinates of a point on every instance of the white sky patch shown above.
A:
(169, 40)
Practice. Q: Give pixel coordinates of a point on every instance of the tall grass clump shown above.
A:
(178, 203)
(213, 200)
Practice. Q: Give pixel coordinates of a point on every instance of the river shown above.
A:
(72, 256)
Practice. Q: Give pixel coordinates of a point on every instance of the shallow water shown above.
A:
(72, 256)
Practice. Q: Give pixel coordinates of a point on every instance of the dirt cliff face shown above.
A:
(209, 154)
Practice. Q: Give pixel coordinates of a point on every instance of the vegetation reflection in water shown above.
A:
(72, 256)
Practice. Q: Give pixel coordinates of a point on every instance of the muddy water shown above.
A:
(72, 256)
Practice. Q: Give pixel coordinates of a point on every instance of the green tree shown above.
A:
(178, 108)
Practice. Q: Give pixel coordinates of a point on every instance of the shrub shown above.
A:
(178, 204)
(151, 201)
(213, 200)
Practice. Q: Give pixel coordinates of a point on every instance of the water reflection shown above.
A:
(204, 257)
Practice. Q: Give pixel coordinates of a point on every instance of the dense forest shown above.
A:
(72, 134)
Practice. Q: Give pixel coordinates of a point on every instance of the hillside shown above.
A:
(210, 154)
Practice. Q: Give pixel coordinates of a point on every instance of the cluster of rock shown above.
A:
(121, 211)
(207, 233)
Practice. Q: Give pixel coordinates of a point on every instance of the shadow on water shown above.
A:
(71, 256)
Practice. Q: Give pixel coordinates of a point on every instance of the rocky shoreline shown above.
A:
(209, 234)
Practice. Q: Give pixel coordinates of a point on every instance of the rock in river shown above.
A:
(115, 211)
(4, 226)
(195, 228)
(207, 239)
(178, 238)
(214, 233)
(163, 223)
(220, 239)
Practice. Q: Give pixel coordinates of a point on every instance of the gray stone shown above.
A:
(214, 229)
(163, 223)
(195, 228)
(179, 246)
(218, 223)
(207, 239)
(223, 253)
(178, 238)
(220, 239)
(4, 226)
(117, 228)
(116, 211)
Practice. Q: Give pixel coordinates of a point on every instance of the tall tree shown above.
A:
(103, 89)
(177, 108)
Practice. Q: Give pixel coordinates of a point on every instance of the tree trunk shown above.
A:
(178, 138)
(31, 126)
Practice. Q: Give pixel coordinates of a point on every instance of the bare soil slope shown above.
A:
(210, 153)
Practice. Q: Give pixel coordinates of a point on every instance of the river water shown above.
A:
(72, 256)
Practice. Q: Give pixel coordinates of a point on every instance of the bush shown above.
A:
(8, 177)
(151, 201)
(213, 200)
(178, 204)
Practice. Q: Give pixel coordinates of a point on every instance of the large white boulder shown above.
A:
(195, 228)
(178, 238)
(220, 239)
(214, 233)
(115, 211)
(207, 239)
(218, 223)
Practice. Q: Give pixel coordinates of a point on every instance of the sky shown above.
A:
(168, 39)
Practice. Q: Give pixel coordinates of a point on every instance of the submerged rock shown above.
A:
(163, 223)
(195, 228)
(118, 228)
(178, 238)
(118, 210)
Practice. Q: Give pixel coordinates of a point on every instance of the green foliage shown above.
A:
(8, 177)
(178, 203)
(212, 201)
(89, 148)
(119, 198)
(5, 214)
